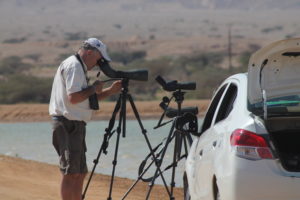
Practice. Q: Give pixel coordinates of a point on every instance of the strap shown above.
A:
(85, 72)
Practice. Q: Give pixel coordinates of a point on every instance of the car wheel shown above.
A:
(218, 195)
(216, 192)
(186, 191)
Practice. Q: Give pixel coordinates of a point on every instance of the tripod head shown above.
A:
(186, 119)
(187, 123)
(173, 112)
(184, 116)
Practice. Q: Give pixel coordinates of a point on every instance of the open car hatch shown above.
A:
(274, 75)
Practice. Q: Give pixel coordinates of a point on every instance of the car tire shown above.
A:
(218, 195)
(216, 192)
(186, 192)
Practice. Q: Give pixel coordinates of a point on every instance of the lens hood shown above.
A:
(138, 75)
(174, 85)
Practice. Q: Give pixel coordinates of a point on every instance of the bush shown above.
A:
(63, 56)
(203, 68)
(244, 59)
(35, 57)
(271, 29)
(127, 57)
(18, 88)
(15, 40)
(12, 65)
(76, 36)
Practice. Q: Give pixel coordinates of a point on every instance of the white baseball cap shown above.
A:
(94, 42)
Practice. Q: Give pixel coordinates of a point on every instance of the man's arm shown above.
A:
(113, 89)
(82, 95)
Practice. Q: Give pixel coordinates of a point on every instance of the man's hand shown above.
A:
(115, 87)
(98, 85)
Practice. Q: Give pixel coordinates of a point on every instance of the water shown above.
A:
(33, 141)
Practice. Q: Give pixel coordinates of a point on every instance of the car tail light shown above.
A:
(250, 145)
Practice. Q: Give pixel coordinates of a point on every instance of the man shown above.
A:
(70, 110)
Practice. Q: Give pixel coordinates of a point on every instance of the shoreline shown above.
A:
(39, 112)
(32, 180)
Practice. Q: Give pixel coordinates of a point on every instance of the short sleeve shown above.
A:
(74, 78)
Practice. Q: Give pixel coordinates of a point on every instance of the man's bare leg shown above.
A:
(71, 186)
(79, 186)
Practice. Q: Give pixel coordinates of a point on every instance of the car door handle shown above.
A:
(214, 143)
(201, 152)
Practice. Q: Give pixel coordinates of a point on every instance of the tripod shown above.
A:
(120, 108)
(182, 138)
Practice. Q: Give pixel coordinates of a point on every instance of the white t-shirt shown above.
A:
(69, 78)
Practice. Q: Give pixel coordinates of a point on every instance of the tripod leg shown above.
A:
(123, 113)
(104, 145)
(176, 157)
(115, 155)
(141, 174)
(144, 131)
(138, 179)
(185, 138)
(94, 167)
(162, 157)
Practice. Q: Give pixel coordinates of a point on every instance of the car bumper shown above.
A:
(258, 180)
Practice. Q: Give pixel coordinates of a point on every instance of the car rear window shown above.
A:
(212, 109)
(227, 103)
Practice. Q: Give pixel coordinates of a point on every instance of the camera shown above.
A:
(93, 101)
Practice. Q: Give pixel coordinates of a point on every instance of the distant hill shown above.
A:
(44, 20)
(48, 29)
(241, 4)
(192, 4)
(42, 33)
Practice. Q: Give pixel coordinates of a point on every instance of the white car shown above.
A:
(249, 145)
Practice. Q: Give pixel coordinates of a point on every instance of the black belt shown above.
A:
(59, 118)
(62, 118)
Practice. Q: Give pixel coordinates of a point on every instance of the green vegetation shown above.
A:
(35, 56)
(127, 57)
(13, 65)
(203, 68)
(271, 29)
(76, 36)
(22, 88)
(17, 86)
(15, 40)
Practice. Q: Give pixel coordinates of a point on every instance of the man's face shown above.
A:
(93, 57)
(97, 57)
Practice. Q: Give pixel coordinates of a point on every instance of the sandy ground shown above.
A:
(30, 180)
(39, 112)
